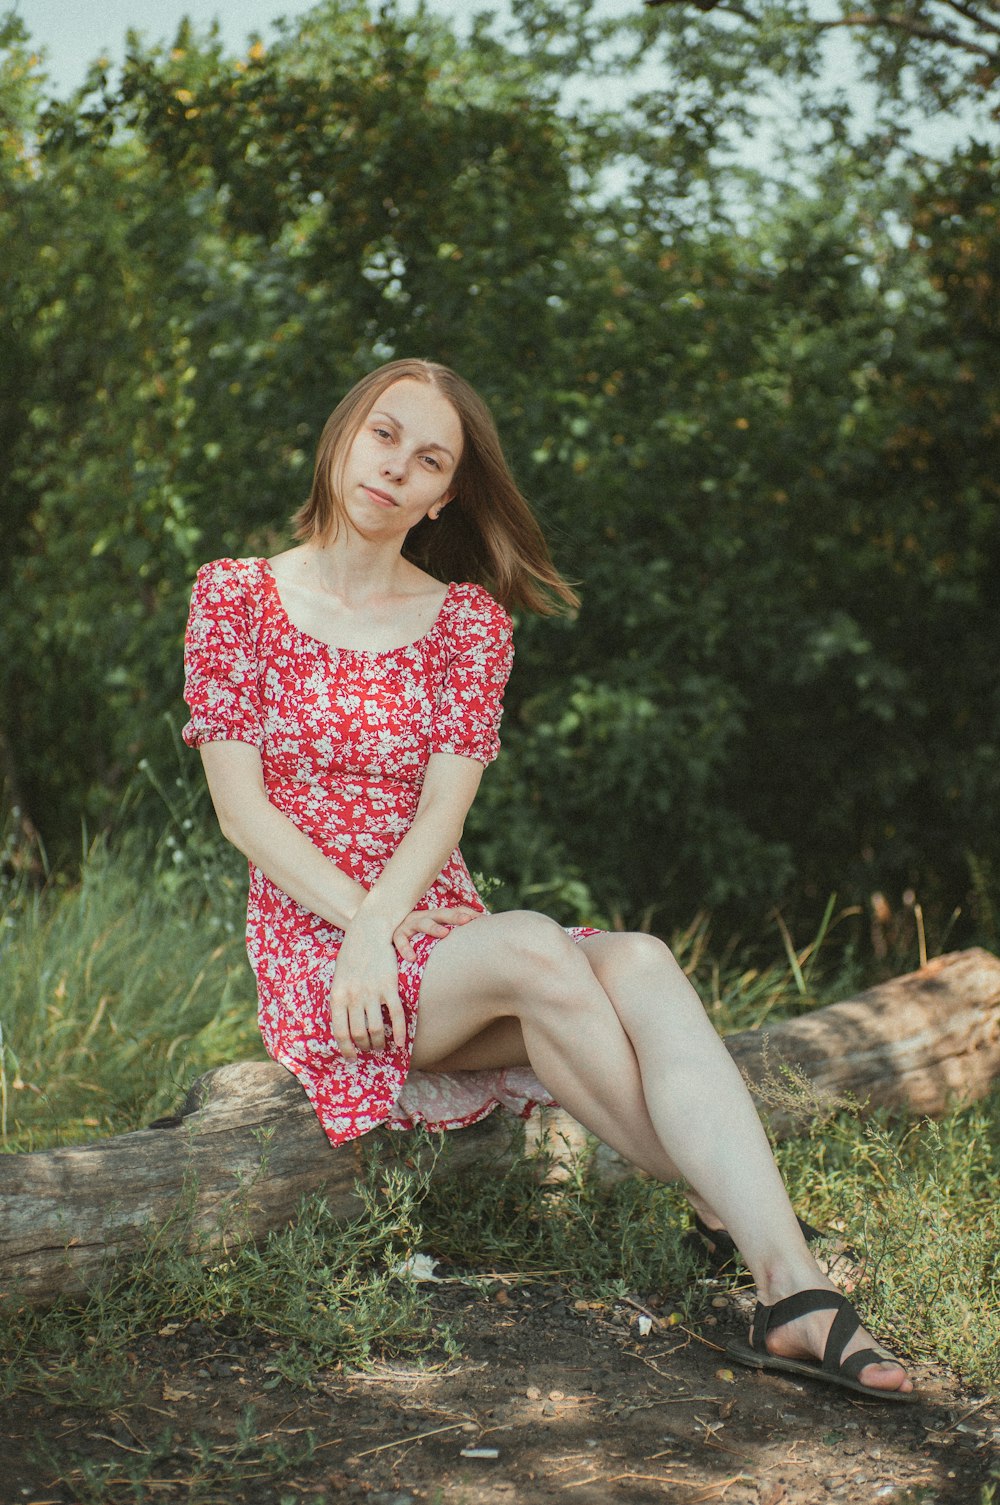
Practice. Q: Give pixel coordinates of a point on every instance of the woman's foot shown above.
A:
(830, 1331)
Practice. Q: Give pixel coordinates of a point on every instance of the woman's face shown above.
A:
(402, 461)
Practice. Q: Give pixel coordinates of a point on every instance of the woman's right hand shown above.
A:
(366, 981)
(364, 989)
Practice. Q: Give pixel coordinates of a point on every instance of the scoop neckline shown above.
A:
(310, 637)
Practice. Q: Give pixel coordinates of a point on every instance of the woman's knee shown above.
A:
(542, 959)
(640, 975)
(630, 952)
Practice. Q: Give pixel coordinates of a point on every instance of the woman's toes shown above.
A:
(889, 1375)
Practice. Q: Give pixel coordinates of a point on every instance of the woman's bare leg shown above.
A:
(502, 1044)
(698, 1108)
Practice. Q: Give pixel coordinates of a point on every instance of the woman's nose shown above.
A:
(394, 466)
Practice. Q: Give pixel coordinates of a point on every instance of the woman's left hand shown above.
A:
(436, 922)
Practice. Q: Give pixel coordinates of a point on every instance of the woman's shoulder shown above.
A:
(472, 608)
(231, 583)
(230, 593)
(229, 573)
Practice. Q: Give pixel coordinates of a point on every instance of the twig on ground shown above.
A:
(402, 1441)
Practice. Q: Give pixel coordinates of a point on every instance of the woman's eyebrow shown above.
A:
(402, 429)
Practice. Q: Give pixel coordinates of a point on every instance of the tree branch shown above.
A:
(707, 5)
(896, 22)
(893, 21)
(973, 16)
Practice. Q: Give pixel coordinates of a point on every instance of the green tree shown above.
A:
(755, 415)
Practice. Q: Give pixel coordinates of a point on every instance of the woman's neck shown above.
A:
(355, 569)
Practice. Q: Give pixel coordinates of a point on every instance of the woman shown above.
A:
(346, 703)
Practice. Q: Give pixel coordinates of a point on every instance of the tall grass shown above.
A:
(117, 989)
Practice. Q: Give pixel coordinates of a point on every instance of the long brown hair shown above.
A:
(487, 532)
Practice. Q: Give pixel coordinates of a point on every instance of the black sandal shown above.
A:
(832, 1368)
(722, 1253)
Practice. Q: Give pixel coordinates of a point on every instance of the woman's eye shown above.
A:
(431, 461)
(383, 433)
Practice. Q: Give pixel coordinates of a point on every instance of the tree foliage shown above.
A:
(758, 421)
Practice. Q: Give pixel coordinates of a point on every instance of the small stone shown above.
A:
(533, 1393)
(556, 1395)
(720, 1302)
(726, 1375)
(548, 1409)
(502, 1298)
(711, 1321)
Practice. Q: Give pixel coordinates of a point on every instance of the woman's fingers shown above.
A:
(397, 1019)
(360, 1025)
(375, 1028)
(403, 945)
(436, 921)
(340, 1026)
(433, 922)
(357, 1018)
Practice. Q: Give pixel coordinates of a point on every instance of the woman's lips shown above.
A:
(382, 497)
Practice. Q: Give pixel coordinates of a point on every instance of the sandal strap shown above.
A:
(845, 1324)
(725, 1244)
(855, 1362)
(798, 1305)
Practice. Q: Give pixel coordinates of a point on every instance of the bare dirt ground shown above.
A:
(577, 1404)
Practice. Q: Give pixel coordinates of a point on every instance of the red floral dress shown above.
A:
(344, 737)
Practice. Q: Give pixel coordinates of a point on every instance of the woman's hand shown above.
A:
(436, 922)
(365, 983)
(366, 980)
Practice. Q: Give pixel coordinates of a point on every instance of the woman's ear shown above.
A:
(435, 512)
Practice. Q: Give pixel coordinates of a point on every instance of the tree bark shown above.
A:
(246, 1146)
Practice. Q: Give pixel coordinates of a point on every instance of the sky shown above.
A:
(73, 33)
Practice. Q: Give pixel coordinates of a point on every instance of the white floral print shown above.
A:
(344, 737)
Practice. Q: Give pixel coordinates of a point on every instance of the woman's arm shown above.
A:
(366, 980)
(274, 843)
(270, 840)
(450, 786)
(374, 921)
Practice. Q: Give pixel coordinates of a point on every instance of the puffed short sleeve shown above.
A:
(220, 671)
(481, 641)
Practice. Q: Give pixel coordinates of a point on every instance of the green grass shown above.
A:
(324, 1294)
(211, 1471)
(118, 989)
(922, 1200)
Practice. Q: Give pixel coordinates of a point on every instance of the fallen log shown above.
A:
(246, 1146)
